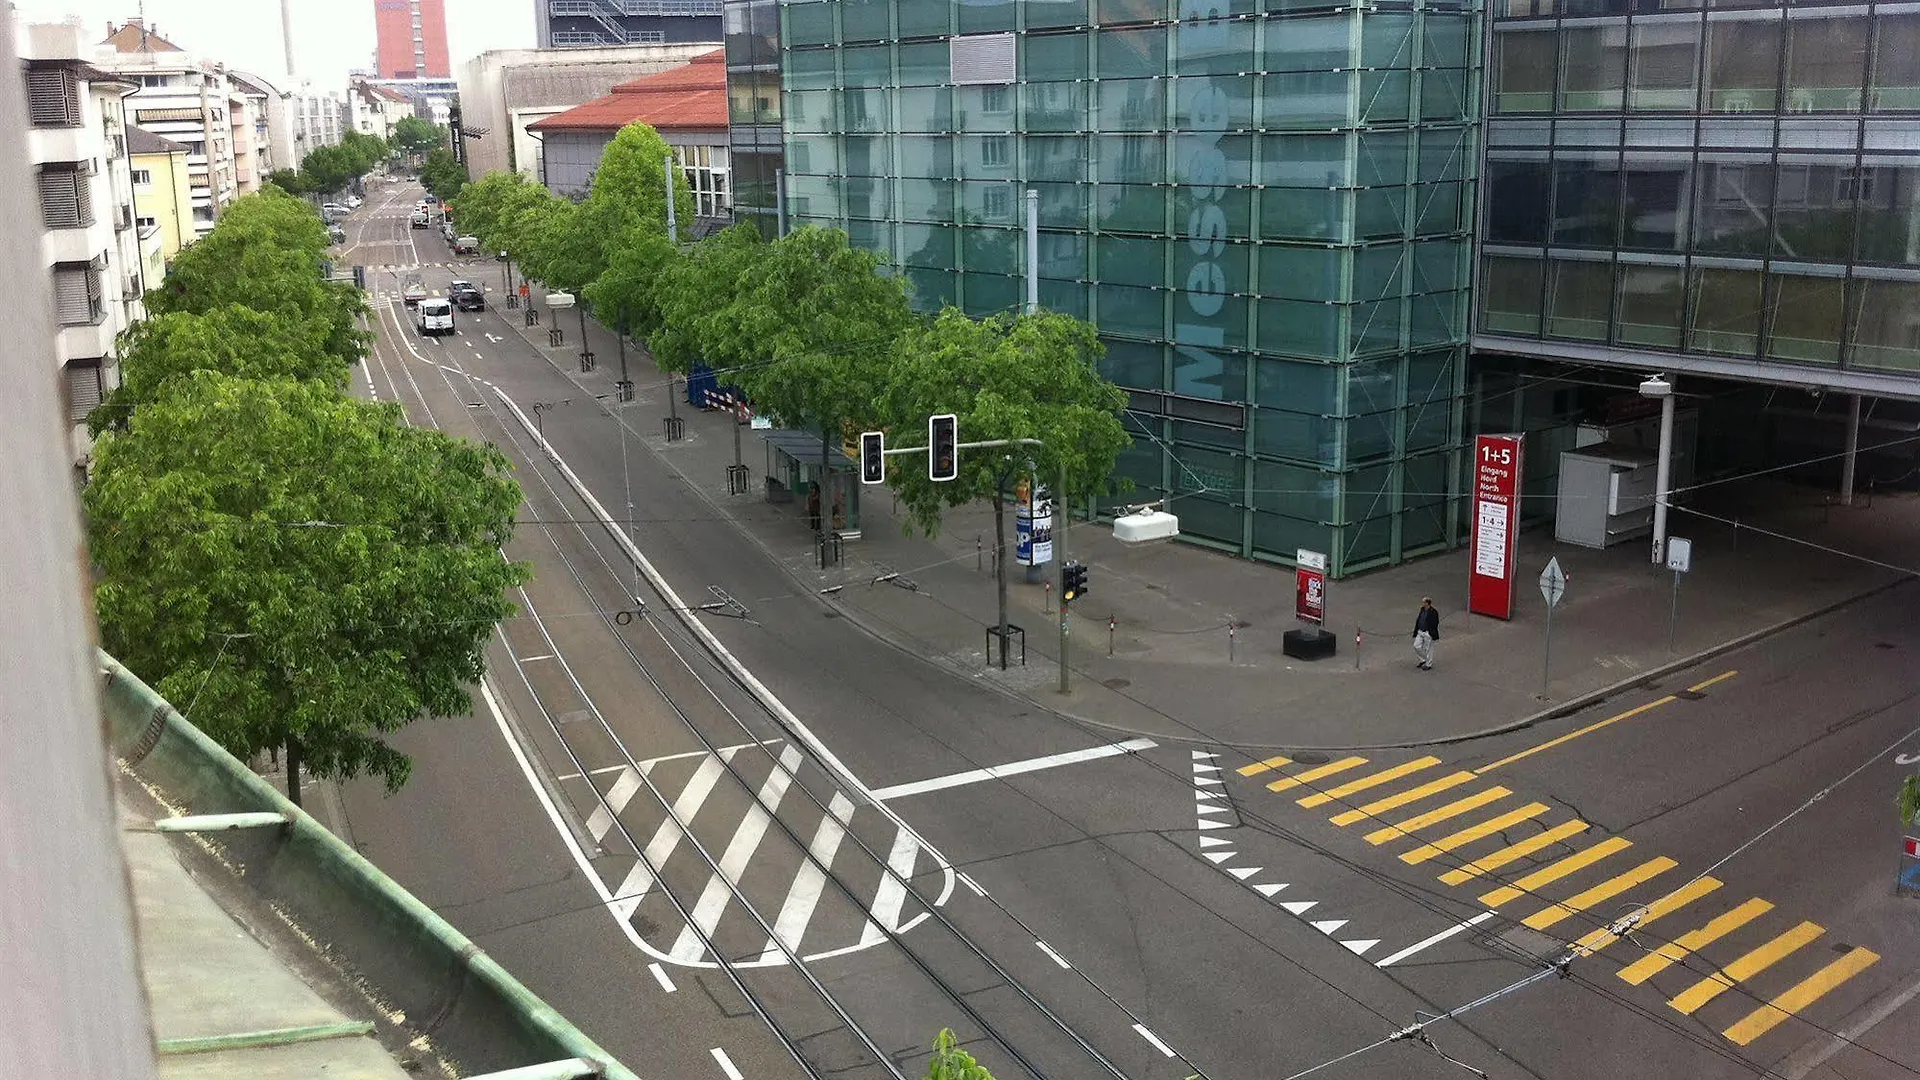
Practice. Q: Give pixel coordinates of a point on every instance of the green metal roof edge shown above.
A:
(139, 722)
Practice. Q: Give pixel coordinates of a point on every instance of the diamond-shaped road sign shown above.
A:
(1553, 582)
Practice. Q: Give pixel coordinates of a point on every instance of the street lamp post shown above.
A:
(1659, 386)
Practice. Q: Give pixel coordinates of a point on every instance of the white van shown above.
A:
(434, 315)
(421, 218)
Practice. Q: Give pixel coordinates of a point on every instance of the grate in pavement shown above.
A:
(1116, 684)
(1311, 757)
(1688, 695)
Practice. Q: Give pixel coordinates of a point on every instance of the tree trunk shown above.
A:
(293, 770)
(1000, 562)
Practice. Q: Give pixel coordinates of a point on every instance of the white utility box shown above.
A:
(1146, 526)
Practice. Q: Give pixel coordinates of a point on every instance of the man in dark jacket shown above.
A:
(1426, 630)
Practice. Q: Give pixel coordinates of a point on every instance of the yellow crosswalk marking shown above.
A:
(1311, 775)
(1365, 782)
(1744, 968)
(1768, 1016)
(1553, 872)
(1259, 767)
(1660, 959)
(1600, 893)
(1474, 832)
(1438, 814)
(1394, 802)
(1666, 905)
(1521, 850)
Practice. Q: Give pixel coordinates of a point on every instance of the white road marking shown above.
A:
(660, 974)
(726, 1064)
(1436, 939)
(691, 944)
(617, 798)
(974, 885)
(1014, 768)
(1154, 1039)
(892, 893)
(804, 895)
(542, 656)
(1056, 957)
(639, 879)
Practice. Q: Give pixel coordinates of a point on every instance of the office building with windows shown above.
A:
(590, 24)
(411, 39)
(1265, 207)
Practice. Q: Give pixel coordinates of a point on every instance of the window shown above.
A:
(84, 387)
(146, 222)
(142, 177)
(1743, 66)
(76, 295)
(53, 97)
(1594, 71)
(1665, 67)
(1523, 71)
(996, 151)
(66, 198)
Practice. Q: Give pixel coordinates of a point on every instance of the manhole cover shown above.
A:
(1116, 684)
(1883, 644)
(1529, 941)
(1842, 947)
(1688, 695)
(1311, 757)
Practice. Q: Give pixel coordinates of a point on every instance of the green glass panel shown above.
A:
(1214, 47)
(1578, 296)
(1444, 94)
(1444, 41)
(1304, 99)
(868, 197)
(1380, 213)
(1386, 96)
(1062, 206)
(866, 20)
(1224, 102)
(1213, 373)
(1379, 270)
(1202, 471)
(1311, 43)
(1300, 273)
(1067, 297)
(1369, 541)
(985, 108)
(985, 157)
(1652, 304)
(1510, 295)
(990, 202)
(1279, 535)
(926, 200)
(1434, 319)
(1430, 377)
(818, 196)
(925, 108)
(1883, 335)
(1056, 57)
(1188, 434)
(925, 64)
(1446, 153)
(1374, 327)
(1063, 255)
(1138, 364)
(814, 69)
(1056, 13)
(1057, 157)
(919, 18)
(1205, 315)
(1131, 208)
(810, 112)
(1386, 39)
(1370, 438)
(1227, 217)
(1442, 208)
(1297, 386)
(1293, 490)
(926, 156)
(929, 246)
(808, 23)
(865, 109)
(932, 289)
(1133, 159)
(1438, 266)
(1428, 427)
(1127, 260)
(1383, 157)
(1057, 106)
(817, 155)
(865, 155)
(1298, 436)
(1297, 328)
(1208, 517)
(1806, 317)
(871, 236)
(1131, 54)
(1133, 105)
(986, 16)
(990, 294)
(1131, 311)
(1303, 214)
(1128, 11)
(1373, 385)
(1303, 161)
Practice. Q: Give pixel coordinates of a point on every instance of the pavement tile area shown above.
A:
(1536, 864)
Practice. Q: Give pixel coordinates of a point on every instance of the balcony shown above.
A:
(80, 342)
(76, 245)
(61, 144)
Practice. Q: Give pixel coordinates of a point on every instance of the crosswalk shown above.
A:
(1546, 880)
(745, 822)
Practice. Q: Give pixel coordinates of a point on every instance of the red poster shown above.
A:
(1310, 586)
(1496, 523)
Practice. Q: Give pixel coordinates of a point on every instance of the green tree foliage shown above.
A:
(287, 180)
(231, 340)
(949, 1062)
(304, 571)
(265, 254)
(329, 168)
(442, 175)
(629, 291)
(413, 135)
(695, 291)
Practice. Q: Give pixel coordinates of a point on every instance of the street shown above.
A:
(792, 842)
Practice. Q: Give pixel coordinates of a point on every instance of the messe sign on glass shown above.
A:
(1496, 523)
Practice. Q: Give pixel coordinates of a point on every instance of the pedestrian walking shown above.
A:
(1426, 630)
(813, 506)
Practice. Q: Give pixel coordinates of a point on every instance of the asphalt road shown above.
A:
(1148, 913)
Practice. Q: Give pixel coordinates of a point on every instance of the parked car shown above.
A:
(334, 208)
(467, 245)
(421, 219)
(446, 230)
(434, 316)
(414, 290)
(337, 234)
(353, 202)
(466, 297)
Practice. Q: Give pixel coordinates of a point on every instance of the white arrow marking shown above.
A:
(1328, 926)
(1213, 841)
(1299, 907)
(1244, 872)
(1215, 824)
(1359, 946)
(1202, 755)
(1268, 890)
(1220, 856)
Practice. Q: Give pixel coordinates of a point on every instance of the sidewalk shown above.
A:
(1171, 667)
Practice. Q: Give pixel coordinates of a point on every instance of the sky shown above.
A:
(331, 37)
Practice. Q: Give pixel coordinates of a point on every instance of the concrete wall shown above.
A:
(571, 158)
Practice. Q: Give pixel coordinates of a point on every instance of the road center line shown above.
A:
(1457, 928)
(726, 1064)
(1572, 735)
(1013, 768)
(1056, 957)
(1154, 1039)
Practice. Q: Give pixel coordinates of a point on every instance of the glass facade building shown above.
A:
(1265, 206)
(1683, 184)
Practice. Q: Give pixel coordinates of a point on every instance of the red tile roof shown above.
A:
(691, 97)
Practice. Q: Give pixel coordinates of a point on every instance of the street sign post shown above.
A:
(1553, 586)
(1679, 560)
(1498, 464)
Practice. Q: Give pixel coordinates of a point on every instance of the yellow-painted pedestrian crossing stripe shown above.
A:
(1351, 780)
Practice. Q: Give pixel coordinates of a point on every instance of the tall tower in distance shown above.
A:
(412, 37)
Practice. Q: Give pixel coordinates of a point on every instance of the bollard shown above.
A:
(1230, 640)
(976, 553)
(1046, 598)
(1109, 635)
(1356, 648)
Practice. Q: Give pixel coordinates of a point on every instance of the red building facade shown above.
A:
(412, 36)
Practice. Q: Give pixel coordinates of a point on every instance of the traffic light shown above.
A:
(943, 447)
(1073, 581)
(873, 458)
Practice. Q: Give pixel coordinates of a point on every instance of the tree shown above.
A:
(692, 293)
(265, 254)
(231, 340)
(489, 207)
(630, 288)
(287, 180)
(413, 135)
(442, 175)
(1005, 377)
(949, 1062)
(302, 571)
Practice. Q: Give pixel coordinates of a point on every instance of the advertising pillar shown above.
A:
(1497, 468)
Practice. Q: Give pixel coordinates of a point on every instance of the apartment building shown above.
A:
(185, 99)
(91, 244)
(374, 109)
(162, 193)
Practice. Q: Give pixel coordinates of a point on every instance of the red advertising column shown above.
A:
(1496, 523)
(1310, 586)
